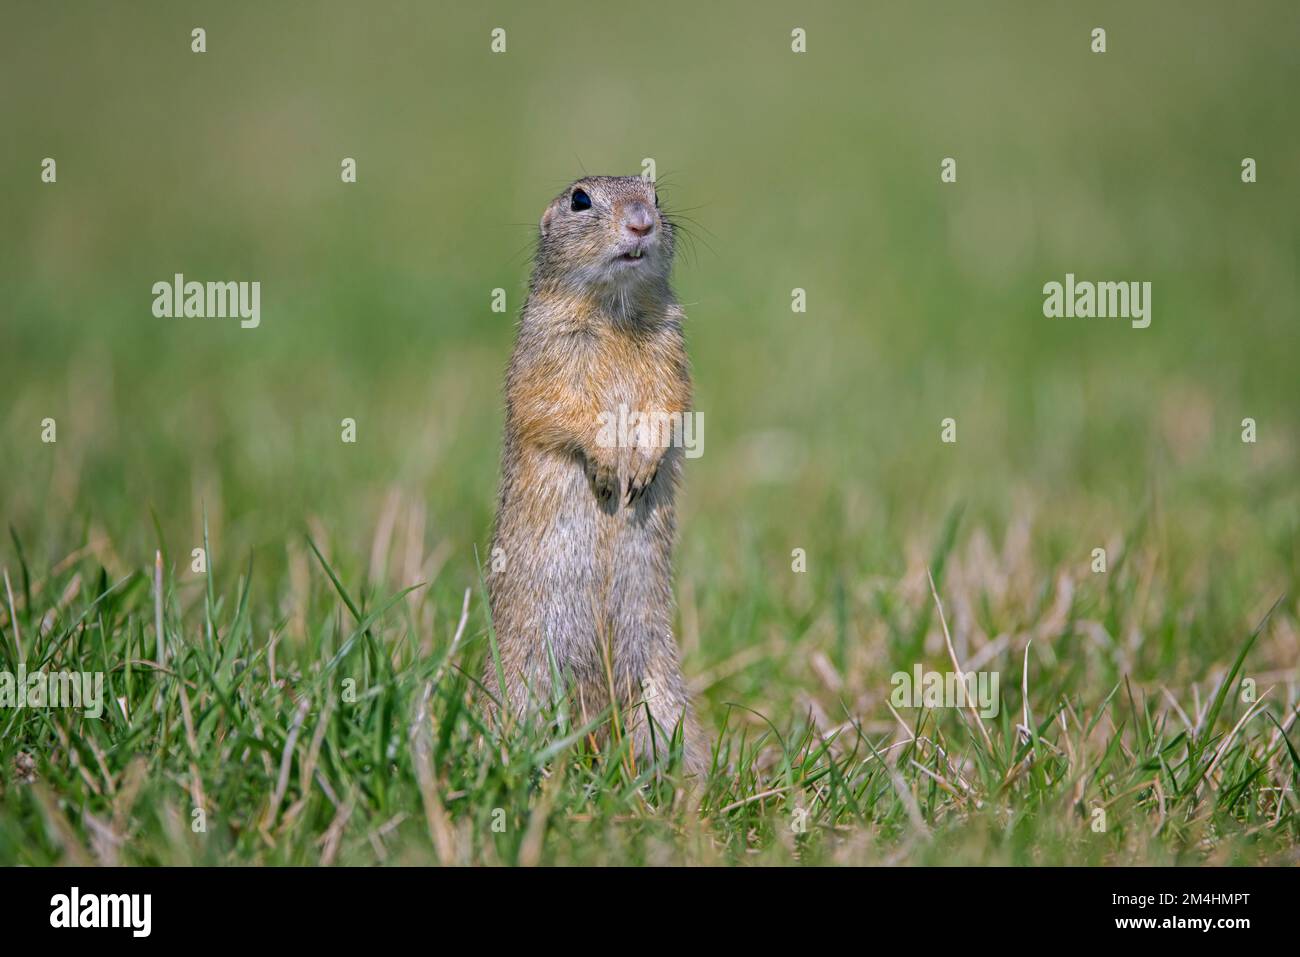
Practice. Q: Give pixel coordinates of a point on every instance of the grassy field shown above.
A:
(311, 694)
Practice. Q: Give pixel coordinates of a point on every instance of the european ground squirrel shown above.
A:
(581, 587)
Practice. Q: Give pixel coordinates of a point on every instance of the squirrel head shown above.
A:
(606, 234)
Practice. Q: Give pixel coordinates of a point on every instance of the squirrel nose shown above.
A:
(638, 219)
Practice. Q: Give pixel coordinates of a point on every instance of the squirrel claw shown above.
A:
(604, 481)
(638, 485)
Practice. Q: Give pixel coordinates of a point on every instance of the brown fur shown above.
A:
(584, 532)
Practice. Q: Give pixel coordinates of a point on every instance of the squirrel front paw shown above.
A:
(603, 477)
(641, 474)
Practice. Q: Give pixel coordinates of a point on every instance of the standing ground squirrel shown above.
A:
(585, 525)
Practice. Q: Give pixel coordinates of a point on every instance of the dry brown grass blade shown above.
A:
(952, 653)
(435, 815)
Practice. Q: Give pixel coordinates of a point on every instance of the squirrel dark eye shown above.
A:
(580, 201)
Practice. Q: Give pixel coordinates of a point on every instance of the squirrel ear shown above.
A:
(547, 217)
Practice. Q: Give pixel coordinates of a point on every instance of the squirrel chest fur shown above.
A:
(581, 584)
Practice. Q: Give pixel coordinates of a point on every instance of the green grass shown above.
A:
(821, 429)
(362, 739)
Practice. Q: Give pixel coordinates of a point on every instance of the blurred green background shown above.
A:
(818, 171)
